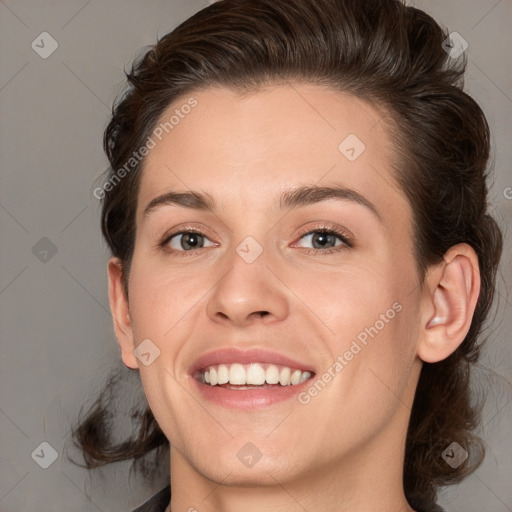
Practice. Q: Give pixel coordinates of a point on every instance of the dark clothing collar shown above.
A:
(158, 503)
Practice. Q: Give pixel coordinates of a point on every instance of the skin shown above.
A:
(344, 449)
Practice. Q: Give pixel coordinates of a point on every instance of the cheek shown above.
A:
(160, 298)
(370, 319)
(378, 360)
(380, 372)
(351, 299)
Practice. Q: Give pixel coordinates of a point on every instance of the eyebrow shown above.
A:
(302, 196)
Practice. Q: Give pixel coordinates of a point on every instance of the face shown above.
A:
(294, 253)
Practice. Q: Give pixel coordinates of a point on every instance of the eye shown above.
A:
(325, 240)
(187, 241)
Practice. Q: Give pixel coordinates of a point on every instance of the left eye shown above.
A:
(324, 239)
(188, 240)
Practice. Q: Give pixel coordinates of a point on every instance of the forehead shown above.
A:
(249, 148)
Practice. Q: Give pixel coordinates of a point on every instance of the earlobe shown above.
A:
(121, 313)
(449, 303)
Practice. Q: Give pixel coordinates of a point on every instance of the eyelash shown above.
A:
(346, 239)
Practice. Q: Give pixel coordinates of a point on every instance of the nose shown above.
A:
(247, 293)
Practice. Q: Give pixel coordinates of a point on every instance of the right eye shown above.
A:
(185, 241)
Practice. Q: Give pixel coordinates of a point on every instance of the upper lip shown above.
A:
(256, 355)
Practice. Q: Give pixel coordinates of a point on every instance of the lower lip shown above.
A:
(247, 399)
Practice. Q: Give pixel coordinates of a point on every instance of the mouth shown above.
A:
(249, 379)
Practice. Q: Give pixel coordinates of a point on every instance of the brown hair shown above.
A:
(381, 51)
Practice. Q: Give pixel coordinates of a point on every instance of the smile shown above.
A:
(249, 379)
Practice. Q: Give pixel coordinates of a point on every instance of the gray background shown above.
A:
(57, 336)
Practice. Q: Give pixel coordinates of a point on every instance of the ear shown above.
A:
(448, 304)
(121, 313)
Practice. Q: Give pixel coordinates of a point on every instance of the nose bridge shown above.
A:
(247, 289)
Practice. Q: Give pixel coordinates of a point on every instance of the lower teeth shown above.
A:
(248, 386)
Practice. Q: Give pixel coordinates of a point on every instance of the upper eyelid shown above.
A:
(302, 233)
(337, 230)
(183, 230)
(168, 238)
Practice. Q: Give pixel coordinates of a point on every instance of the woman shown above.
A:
(302, 259)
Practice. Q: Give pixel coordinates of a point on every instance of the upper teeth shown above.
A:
(254, 373)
